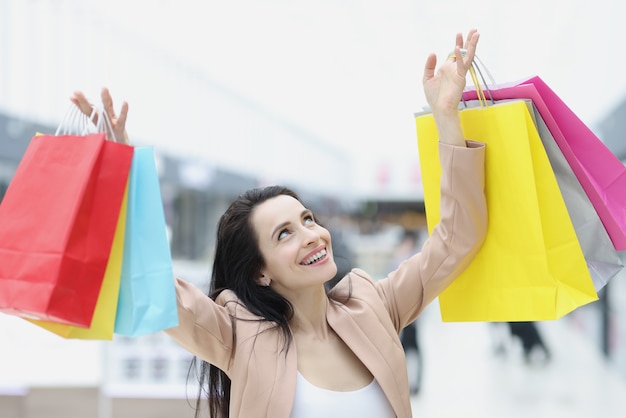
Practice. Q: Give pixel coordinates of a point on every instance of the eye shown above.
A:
(283, 234)
(308, 219)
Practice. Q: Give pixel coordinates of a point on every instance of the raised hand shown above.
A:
(443, 89)
(118, 122)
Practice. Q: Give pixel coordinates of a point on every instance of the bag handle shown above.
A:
(75, 122)
(475, 72)
(104, 122)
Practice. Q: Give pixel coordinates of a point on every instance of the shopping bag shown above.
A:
(103, 322)
(147, 300)
(57, 222)
(601, 174)
(603, 261)
(530, 266)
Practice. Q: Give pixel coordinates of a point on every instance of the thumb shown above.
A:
(429, 68)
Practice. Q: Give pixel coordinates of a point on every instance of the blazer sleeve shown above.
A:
(204, 327)
(454, 241)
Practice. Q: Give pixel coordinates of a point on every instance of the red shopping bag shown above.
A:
(57, 222)
(103, 321)
(601, 174)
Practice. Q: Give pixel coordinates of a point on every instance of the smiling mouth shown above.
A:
(315, 258)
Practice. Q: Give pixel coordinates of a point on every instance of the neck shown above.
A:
(310, 314)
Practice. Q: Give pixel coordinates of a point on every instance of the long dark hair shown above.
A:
(237, 264)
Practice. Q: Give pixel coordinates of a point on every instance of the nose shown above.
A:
(311, 236)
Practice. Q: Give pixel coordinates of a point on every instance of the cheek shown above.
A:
(325, 234)
(267, 256)
(277, 258)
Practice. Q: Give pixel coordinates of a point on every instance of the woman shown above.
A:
(274, 342)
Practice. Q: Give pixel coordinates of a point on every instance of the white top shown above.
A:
(314, 402)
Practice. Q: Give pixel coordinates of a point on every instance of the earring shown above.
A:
(264, 281)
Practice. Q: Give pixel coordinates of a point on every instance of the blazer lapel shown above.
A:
(368, 342)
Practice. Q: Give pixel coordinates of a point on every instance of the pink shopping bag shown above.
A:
(601, 174)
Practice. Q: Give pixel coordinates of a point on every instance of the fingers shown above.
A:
(459, 56)
(465, 57)
(470, 45)
(470, 36)
(121, 119)
(459, 40)
(107, 102)
(118, 123)
(79, 99)
(429, 68)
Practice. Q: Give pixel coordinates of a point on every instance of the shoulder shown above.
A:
(356, 274)
(354, 284)
(225, 297)
(235, 307)
(362, 277)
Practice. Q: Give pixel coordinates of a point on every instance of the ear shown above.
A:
(263, 280)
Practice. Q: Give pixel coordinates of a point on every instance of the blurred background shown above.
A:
(318, 96)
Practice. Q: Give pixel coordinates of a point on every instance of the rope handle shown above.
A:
(75, 122)
(475, 72)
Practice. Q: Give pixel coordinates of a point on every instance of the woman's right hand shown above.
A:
(118, 122)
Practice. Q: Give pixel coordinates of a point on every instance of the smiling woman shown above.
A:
(271, 339)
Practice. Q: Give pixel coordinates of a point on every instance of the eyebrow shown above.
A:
(284, 224)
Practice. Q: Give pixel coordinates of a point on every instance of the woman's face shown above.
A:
(296, 250)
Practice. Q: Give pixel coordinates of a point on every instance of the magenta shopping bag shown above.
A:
(601, 174)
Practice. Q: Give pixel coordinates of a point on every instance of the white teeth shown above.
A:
(315, 257)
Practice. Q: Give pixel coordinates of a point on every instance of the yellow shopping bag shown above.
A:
(531, 266)
(103, 322)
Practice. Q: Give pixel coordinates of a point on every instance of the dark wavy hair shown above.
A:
(237, 264)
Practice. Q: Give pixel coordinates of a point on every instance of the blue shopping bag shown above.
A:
(147, 298)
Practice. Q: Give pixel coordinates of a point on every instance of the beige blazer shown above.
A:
(263, 375)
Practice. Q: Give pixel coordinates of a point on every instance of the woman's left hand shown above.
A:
(118, 122)
(443, 89)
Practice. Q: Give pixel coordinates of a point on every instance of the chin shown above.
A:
(334, 270)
